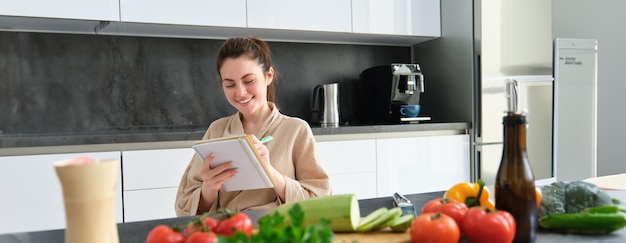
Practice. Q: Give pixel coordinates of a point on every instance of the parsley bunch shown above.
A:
(275, 228)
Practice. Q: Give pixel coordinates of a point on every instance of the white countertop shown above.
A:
(321, 134)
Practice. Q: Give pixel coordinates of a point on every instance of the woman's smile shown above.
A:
(244, 101)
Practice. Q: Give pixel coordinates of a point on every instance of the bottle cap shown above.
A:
(512, 96)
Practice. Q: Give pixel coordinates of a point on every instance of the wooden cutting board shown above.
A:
(611, 182)
(379, 236)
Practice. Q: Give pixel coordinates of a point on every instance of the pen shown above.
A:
(266, 139)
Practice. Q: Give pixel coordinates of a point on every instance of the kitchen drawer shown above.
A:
(345, 157)
(158, 168)
(149, 204)
(421, 164)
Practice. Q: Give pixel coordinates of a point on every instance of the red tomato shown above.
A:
(434, 227)
(207, 224)
(164, 234)
(484, 225)
(450, 207)
(202, 237)
(237, 222)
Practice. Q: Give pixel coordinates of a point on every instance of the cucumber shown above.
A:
(602, 209)
(373, 219)
(403, 223)
(342, 210)
(392, 214)
(621, 205)
(583, 223)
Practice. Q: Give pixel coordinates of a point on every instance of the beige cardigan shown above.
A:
(292, 153)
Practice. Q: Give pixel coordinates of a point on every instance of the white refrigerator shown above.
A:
(575, 109)
(509, 45)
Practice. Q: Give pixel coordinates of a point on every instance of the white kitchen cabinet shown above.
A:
(68, 9)
(421, 164)
(230, 13)
(151, 178)
(32, 198)
(363, 185)
(321, 15)
(351, 166)
(397, 17)
(140, 205)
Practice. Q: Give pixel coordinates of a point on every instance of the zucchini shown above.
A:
(392, 214)
(373, 219)
(342, 210)
(403, 223)
(583, 223)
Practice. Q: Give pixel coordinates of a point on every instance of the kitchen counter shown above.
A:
(173, 137)
(137, 231)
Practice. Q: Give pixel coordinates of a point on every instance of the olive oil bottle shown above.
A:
(515, 182)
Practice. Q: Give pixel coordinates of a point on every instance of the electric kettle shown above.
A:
(326, 107)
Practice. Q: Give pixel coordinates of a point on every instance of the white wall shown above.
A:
(602, 20)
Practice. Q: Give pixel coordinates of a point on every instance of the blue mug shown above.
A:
(410, 111)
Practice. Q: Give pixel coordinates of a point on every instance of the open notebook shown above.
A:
(252, 173)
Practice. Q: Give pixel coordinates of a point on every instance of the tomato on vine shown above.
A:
(202, 237)
(233, 223)
(164, 234)
(201, 224)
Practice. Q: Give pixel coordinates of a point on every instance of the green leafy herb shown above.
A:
(274, 228)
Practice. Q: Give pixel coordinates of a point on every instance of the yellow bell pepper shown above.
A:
(472, 194)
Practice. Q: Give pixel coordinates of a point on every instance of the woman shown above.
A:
(247, 77)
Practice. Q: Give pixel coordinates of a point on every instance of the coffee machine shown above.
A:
(383, 89)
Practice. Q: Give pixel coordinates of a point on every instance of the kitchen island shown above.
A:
(137, 231)
(348, 153)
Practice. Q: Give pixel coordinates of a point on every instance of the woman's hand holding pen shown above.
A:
(262, 149)
(279, 178)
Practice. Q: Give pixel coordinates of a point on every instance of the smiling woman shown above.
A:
(247, 76)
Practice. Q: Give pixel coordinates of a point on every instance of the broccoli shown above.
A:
(571, 197)
(552, 199)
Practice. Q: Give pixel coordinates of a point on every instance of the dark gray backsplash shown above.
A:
(76, 84)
